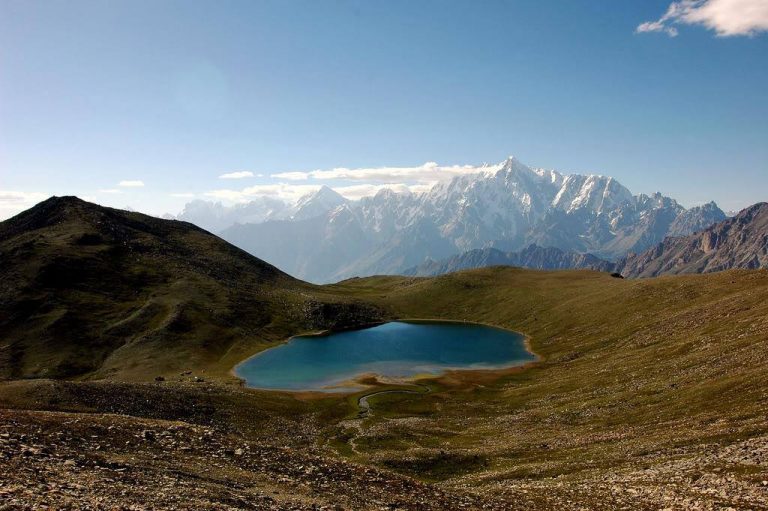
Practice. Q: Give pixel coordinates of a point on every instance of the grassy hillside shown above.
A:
(96, 292)
(643, 383)
(649, 394)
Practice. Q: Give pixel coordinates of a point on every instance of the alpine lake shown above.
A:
(396, 351)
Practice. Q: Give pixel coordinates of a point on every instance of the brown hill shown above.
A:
(99, 292)
(738, 242)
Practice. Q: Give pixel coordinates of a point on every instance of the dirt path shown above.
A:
(365, 406)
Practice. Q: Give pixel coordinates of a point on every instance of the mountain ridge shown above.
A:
(507, 206)
(215, 217)
(533, 257)
(737, 242)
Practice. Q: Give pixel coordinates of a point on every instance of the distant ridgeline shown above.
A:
(507, 207)
(540, 258)
(738, 242)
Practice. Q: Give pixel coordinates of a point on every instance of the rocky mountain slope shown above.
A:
(506, 206)
(738, 242)
(533, 256)
(88, 290)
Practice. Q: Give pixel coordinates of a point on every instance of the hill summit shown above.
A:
(95, 291)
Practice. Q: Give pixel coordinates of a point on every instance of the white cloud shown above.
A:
(237, 175)
(292, 176)
(291, 192)
(725, 17)
(368, 181)
(415, 179)
(656, 26)
(428, 172)
(110, 190)
(284, 191)
(13, 202)
(131, 184)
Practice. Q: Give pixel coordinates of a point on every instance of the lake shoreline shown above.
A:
(452, 373)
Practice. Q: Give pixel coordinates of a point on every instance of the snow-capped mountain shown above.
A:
(696, 219)
(508, 206)
(314, 204)
(216, 217)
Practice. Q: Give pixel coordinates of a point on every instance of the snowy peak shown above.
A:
(597, 194)
(215, 217)
(317, 203)
(552, 176)
(657, 201)
(696, 219)
(513, 166)
(507, 206)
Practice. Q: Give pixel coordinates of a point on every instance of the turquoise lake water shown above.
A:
(395, 350)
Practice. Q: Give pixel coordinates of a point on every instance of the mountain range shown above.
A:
(738, 242)
(508, 206)
(215, 217)
(535, 257)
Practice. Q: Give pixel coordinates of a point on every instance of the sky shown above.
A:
(151, 104)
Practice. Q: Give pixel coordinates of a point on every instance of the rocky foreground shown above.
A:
(57, 460)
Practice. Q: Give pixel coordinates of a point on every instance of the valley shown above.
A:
(648, 393)
(277, 255)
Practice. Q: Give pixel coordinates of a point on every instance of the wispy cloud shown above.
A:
(12, 202)
(237, 175)
(292, 176)
(284, 191)
(290, 192)
(131, 184)
(428, 172)
(725, 17)
(367, 181)
(656, 26)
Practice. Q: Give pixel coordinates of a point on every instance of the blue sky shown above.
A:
(176, 94)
